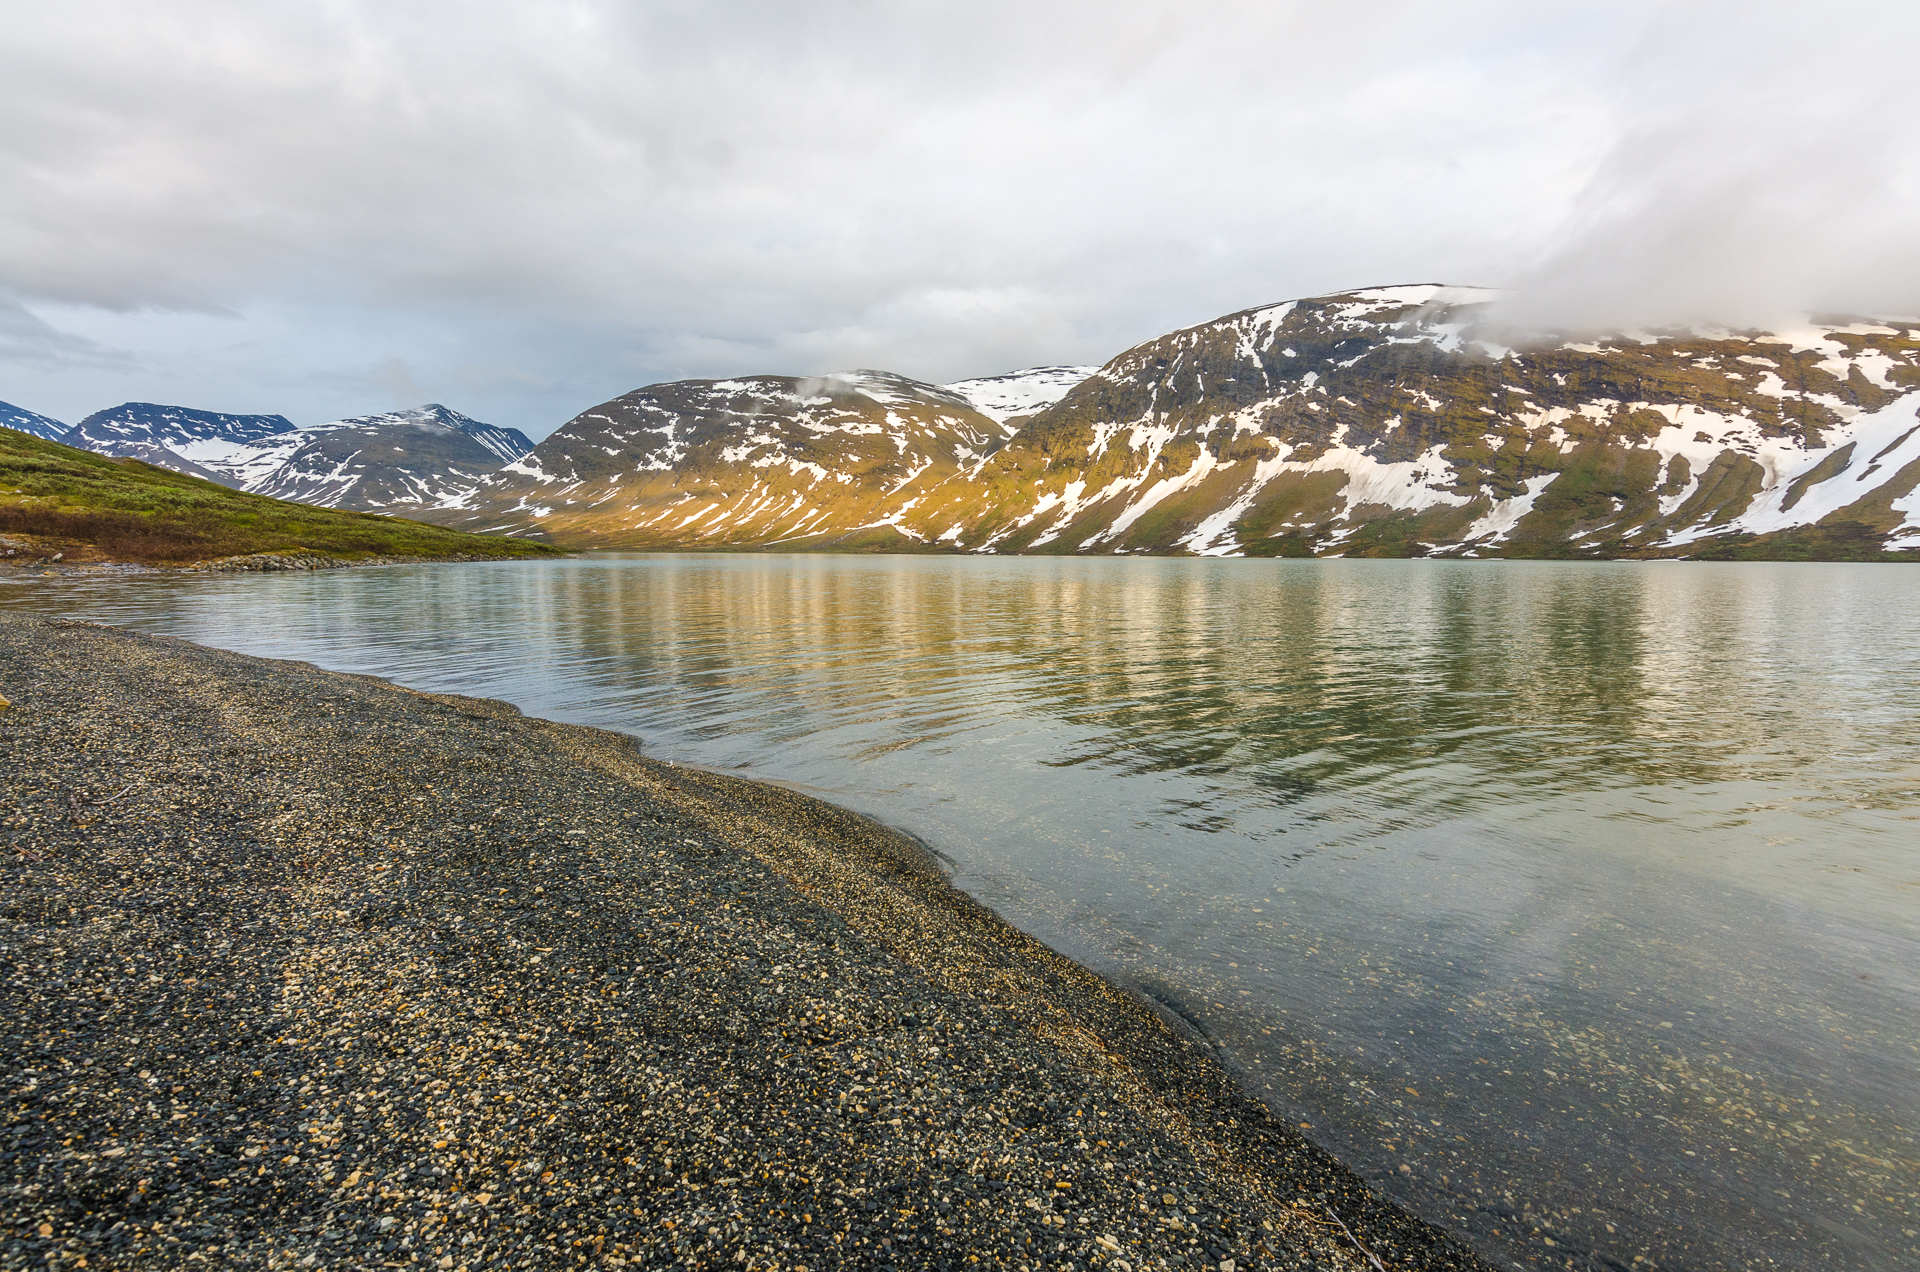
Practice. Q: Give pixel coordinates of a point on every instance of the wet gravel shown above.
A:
(303, 969)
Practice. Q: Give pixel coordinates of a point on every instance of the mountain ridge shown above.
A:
(770, 440)
(1394, 421)
(423, 456)
(1384, 421)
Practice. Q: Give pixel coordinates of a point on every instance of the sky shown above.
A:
(338, 207)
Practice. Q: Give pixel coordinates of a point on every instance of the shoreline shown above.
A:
(249, 563)
(295, 977)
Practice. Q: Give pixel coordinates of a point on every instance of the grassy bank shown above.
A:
(56, 499)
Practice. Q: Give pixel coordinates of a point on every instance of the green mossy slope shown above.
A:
(92, 507)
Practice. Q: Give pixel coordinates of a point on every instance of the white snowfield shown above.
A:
(246, 465)
(1003, 397)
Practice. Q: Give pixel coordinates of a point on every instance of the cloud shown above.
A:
(393, 376)
(1764, 167)
(603, 194)
(28, 340)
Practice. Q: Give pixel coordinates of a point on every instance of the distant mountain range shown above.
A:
(1393, 421)
(429, 456)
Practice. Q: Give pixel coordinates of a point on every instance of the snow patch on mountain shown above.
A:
(1002, 397)
(244, 465)
(1875, 444)
(1498, 522)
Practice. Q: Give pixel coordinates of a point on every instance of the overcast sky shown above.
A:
(520, 210)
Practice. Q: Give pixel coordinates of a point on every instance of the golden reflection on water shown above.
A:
(1577, 905)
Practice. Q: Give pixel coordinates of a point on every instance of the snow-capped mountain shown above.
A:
(1386, 421)
(1394, 421)
(405, 464)
(1389, 421)
(422, 457)
(176, 437)
(506, 444)
(174, 427)
(1007, 397)
(761, 459)
(26, 421)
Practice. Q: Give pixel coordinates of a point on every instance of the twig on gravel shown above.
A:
(1371, 1257)
(75, 803)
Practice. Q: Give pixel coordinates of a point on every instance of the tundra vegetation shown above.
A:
(55, 499)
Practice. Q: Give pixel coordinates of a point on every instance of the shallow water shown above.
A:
(1577, 906)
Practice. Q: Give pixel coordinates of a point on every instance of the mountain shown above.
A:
(26, 421)
(424, 458)
(505, 444)
(757, 460)
(420, 457)
(1396, 421)
(184, 440)
(1392, 421)
(175, 437)
(405, 463)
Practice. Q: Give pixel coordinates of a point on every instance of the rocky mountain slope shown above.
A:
(404, 463)
(1395, 421)
(756, 460)
(22, 420)
(174, 437)
(401, 460)
(504, 444)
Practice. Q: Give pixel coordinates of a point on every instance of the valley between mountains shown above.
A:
(1394, 421)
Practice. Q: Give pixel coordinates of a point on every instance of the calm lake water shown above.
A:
(1576, 906)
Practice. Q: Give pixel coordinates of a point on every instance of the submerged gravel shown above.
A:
(304, 970)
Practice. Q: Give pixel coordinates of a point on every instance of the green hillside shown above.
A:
(55, 498)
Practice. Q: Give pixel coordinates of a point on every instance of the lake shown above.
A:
(1577, 906)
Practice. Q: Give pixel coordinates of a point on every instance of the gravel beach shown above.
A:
(309, 970)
